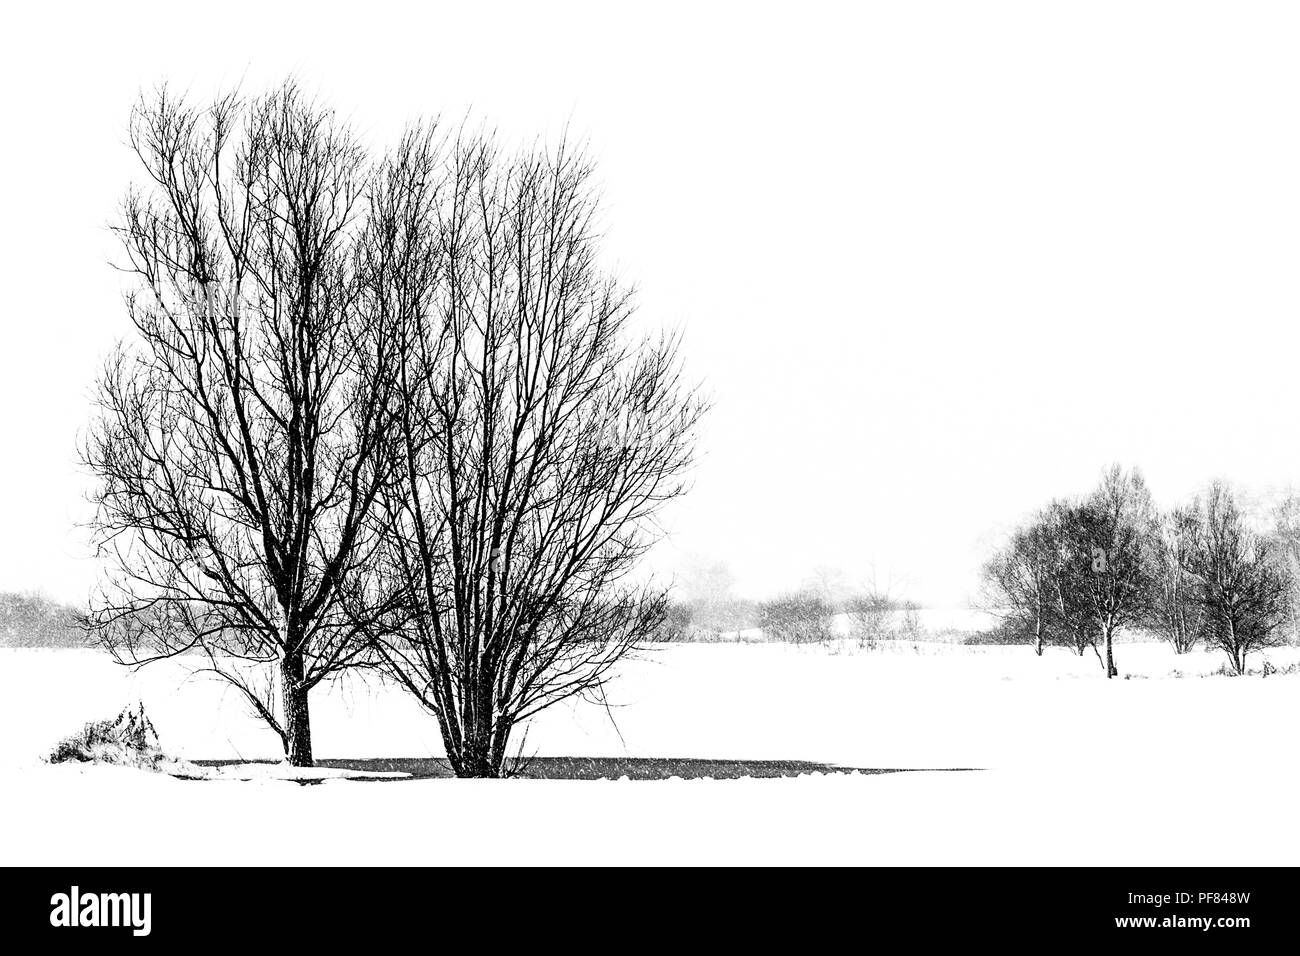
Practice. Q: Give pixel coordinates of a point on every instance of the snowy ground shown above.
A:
(1073, 769)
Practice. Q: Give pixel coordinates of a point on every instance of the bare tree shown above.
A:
(1070, 621)
(830, 584)
(1020, 581)
(539, 439)
(1176, 611)
(1242, 583)
(239, 443)
(707, 589)
(1286, 539)
(875, 612)
(1113, 527)
(1080, 571)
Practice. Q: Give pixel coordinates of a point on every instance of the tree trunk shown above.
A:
(1235, 655)
(476, 755)
(297, 718)
(1111, 669)
(476, 762)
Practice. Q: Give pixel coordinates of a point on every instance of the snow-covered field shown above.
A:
(1073, 769)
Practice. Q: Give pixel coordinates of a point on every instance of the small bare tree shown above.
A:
(1070, 620)
(539, 438)
(1176, 611)
(1019, 579)
(875, 613)
(707, 588)
(1286, 539)
(1242, 583)
(239, 445)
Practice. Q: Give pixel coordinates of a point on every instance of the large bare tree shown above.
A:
(540, 437)
(240, 440)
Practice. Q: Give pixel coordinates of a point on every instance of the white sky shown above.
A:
(935, 262)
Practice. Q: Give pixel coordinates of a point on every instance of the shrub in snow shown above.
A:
(799, 618)
(127, 740)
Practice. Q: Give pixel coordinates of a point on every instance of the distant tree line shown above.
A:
(1080, 571)
(707, 610)
(31, 620)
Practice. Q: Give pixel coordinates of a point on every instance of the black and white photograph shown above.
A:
(591, 435)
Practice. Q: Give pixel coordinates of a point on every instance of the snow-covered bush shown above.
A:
(127, 740)
(798, 618)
